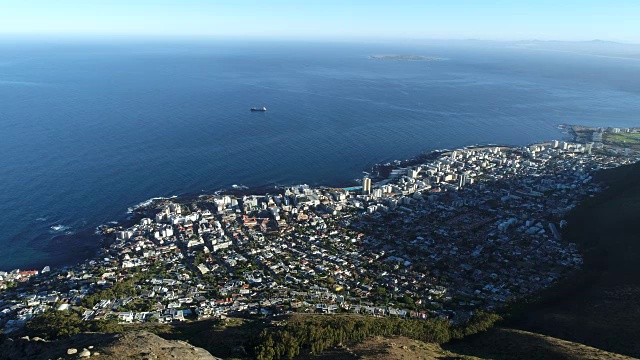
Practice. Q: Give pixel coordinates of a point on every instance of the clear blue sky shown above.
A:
(412, 19)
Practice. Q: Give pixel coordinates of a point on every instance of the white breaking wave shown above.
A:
(59, 227)
(148, 202)
(24, 83)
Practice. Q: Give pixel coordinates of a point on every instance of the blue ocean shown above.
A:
(90, 129)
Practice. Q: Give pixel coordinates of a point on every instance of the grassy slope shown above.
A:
(501, 343)
(498, 343)
(396, 348)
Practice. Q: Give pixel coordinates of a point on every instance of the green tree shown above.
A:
(55, 324)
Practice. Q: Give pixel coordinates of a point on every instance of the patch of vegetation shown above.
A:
(312, 334)
(122, 289)
(622, 138)
(60, 324)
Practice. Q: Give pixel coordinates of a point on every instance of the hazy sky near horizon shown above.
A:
(616, 20)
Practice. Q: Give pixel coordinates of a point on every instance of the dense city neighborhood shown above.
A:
(473, 229)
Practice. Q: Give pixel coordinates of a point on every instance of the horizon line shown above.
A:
(253, 37)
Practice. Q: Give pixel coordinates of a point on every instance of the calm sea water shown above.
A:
(88, 130)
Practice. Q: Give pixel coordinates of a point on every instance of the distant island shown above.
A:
(405, 57)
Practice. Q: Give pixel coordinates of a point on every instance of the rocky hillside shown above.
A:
(129, 345)
(497, 344)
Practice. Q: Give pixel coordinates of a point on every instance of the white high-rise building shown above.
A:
(462, 180)
(588, 147)
(366, 185)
